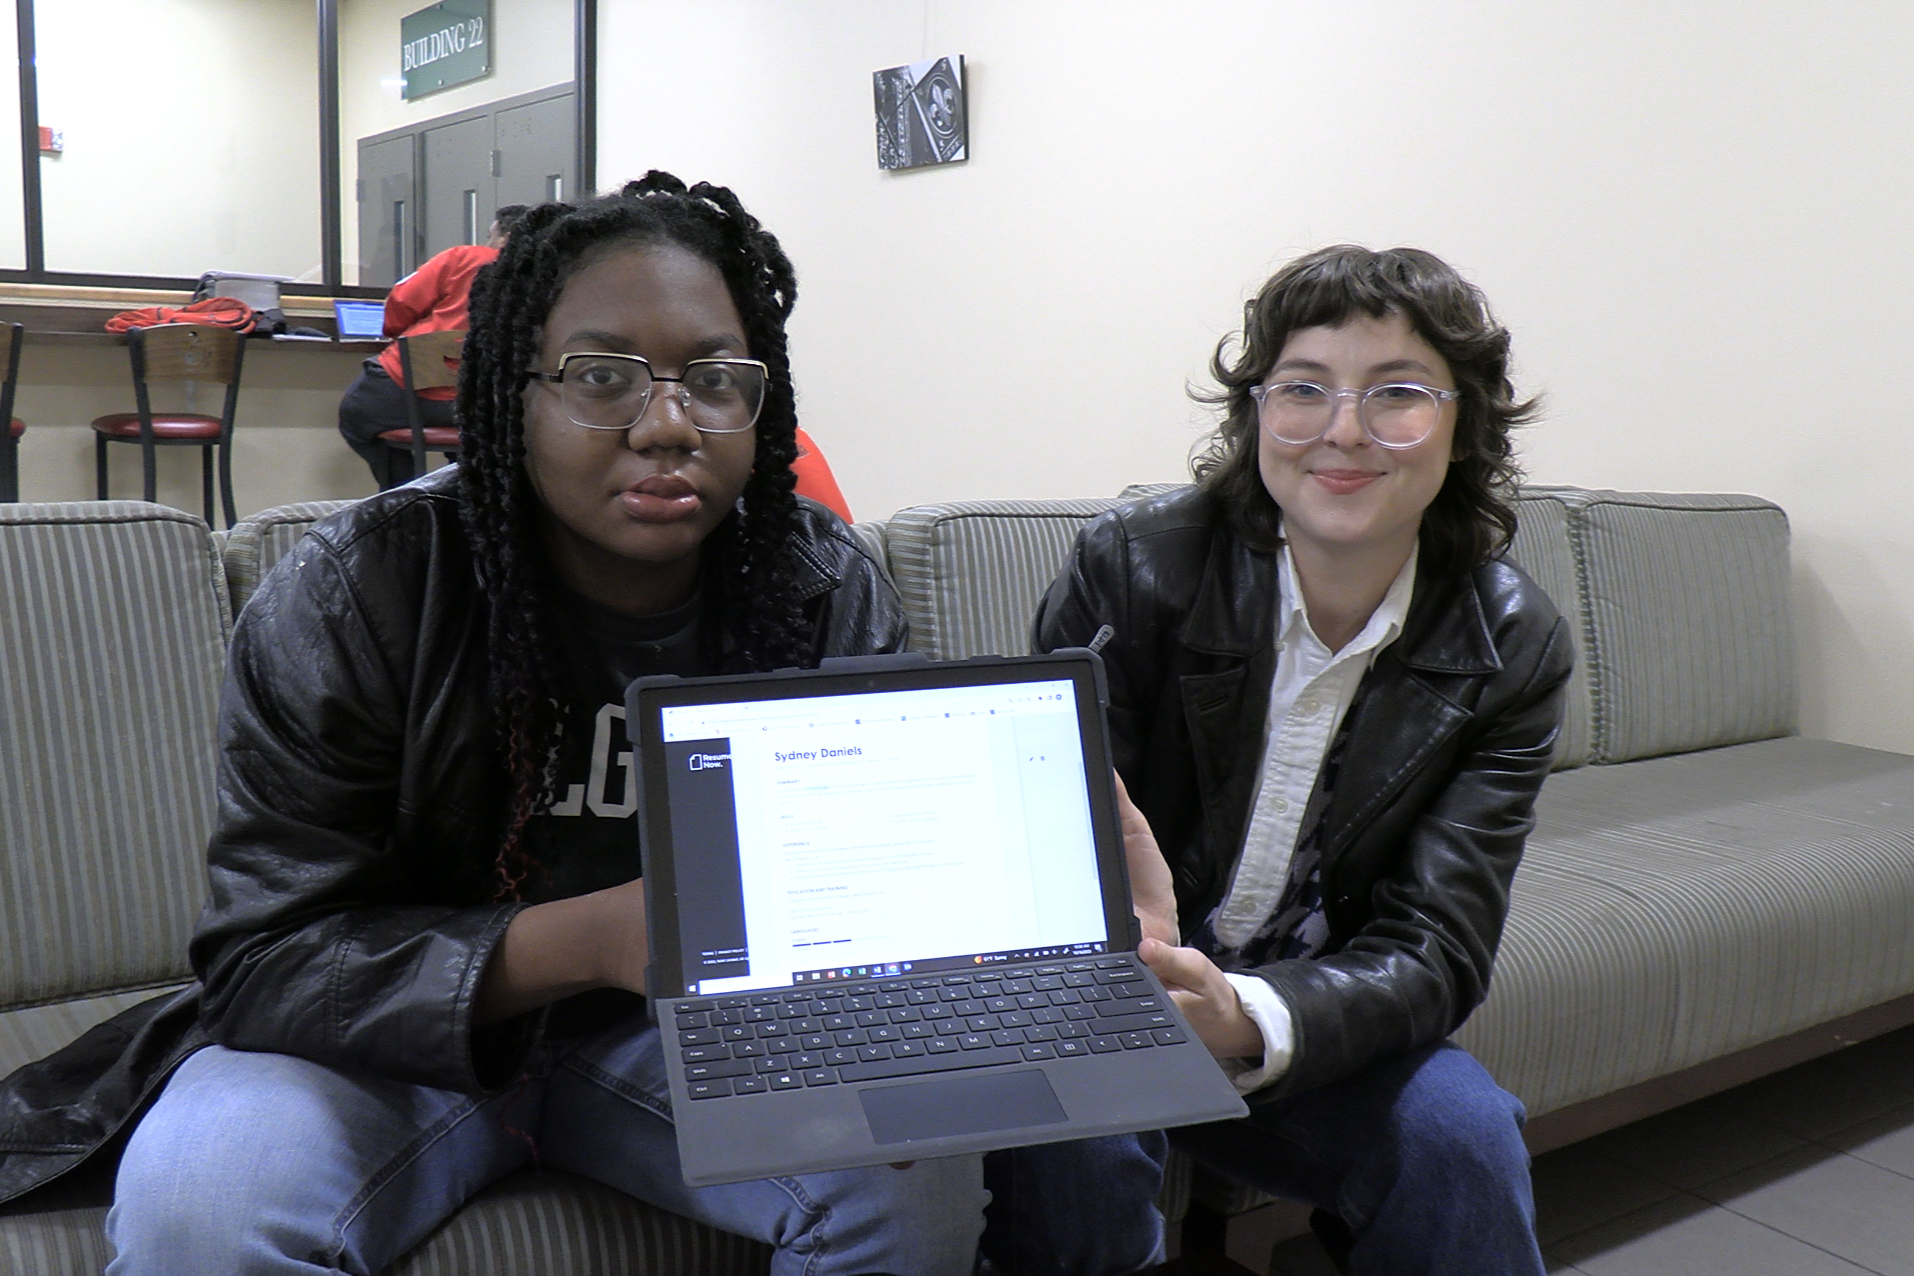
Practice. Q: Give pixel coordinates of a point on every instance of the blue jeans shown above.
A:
(255, 1163)
(1086, 1208)
(1420, 1156)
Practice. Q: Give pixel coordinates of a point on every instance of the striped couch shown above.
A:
(1708, 895)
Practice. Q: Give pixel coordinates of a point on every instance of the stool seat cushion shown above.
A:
(18, 427)
(166, 425)
(436, 436)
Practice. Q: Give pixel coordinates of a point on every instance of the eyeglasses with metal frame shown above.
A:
(602, 391)
(1399, 414)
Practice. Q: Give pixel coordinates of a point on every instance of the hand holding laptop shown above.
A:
(567, 946)
(1206, 998)
(1193, 981)
(627, 956)
(1152, 890)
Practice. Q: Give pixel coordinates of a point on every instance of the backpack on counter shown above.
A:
(219, 312)
(260, 292)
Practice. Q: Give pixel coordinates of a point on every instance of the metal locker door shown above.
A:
(388, 211)
(536, 152)
(460, 191)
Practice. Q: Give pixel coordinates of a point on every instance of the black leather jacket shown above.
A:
(360, 801)
(1448, 745)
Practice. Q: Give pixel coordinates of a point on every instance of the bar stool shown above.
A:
(13, 338)
(426, 361)
(178, 352)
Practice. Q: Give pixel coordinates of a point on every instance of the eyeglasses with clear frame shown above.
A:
(1399, 414)
(611, 391)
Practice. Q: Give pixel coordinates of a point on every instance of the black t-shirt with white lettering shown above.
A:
(589, 838)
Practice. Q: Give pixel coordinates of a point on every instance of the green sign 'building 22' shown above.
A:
(446, 44)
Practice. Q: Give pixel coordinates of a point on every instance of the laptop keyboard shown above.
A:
(763, 1043)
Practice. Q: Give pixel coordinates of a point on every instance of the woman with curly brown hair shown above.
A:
(1334, 701)
(423, 958)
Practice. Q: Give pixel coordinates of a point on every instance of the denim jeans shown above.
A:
(256, 1163)
(1420, 1156)
(1086, 1208)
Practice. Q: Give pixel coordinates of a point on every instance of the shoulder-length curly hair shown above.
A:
(1472, 518)
(753, 617)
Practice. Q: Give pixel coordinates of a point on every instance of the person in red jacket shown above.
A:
(430, 299)
(814, 477)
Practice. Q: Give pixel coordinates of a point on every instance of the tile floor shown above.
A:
(1803, 1173)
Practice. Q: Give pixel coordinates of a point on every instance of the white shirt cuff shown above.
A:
(1270, 1013)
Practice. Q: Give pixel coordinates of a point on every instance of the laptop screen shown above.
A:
(359, 320)
(876, 833)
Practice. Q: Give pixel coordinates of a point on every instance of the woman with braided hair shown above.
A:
(424, 952)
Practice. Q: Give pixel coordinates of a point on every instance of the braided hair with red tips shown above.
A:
(753, 618)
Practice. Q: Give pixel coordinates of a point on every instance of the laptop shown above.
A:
(359, 320)
(890, 917)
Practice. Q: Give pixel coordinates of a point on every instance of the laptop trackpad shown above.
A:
(961, 1105)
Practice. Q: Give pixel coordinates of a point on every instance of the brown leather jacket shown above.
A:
(359, 804)
(1447, 748)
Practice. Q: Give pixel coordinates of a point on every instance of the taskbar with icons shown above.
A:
(939, 965)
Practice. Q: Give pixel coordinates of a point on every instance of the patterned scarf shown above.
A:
(1297, 926)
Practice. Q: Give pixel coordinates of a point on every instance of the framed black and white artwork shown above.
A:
(921, 114)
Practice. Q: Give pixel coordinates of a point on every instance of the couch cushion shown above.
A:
(261, 540)
(971, 572)
(528, 1224)
(68, 1240)
(1687, 634)
(33, 1032)
(533, 1223)
(1672, 910)
(113, 621)
(1543, 550)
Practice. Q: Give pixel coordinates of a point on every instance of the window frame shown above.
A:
(331, 242)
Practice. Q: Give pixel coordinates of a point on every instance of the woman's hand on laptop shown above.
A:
(626, 935)
(567, 946)
(1152, 892)
(1194, 983)
(1206, 998)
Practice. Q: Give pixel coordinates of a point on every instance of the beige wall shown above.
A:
(533, 50)
(1693, 217)
(192, 136)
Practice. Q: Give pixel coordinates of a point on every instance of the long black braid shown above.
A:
(753, 617)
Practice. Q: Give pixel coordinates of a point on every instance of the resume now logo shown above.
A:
(709, 761)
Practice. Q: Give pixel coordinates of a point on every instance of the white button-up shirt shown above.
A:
(1308, 697)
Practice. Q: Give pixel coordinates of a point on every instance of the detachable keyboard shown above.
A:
(762, 1043)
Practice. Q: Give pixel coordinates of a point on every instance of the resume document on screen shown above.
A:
(878, 832)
